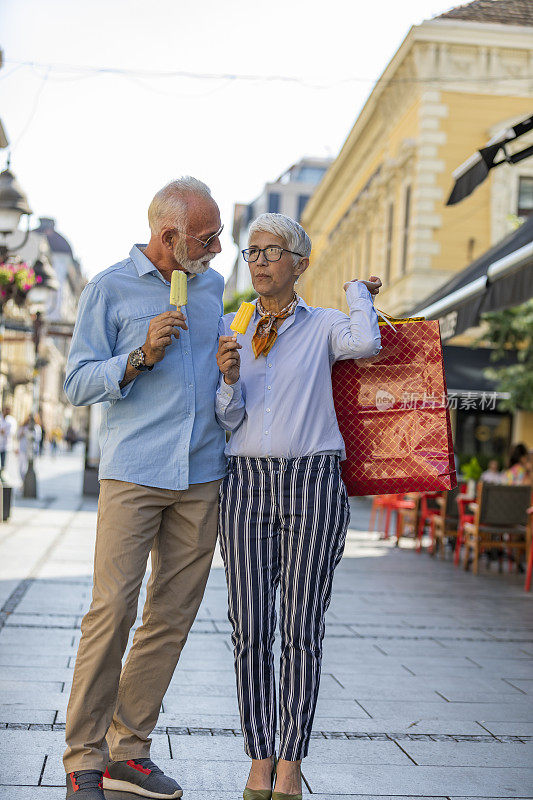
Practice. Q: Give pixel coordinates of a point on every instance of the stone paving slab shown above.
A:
(512, 728)
(464, 754)
(28, 771)
(507, 668)
(416, 780)
(52, 743)
(20, 714)
(496, 711)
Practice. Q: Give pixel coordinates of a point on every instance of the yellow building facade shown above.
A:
(380, 208)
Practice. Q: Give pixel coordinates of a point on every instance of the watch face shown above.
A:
(137, 358)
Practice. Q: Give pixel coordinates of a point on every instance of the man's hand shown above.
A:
(228, 359)
(160, 332)
(373, 285)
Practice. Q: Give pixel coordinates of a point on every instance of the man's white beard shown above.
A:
(193, 267)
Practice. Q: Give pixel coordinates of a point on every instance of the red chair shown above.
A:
(379, 504)
(384, 505)
(427, 511)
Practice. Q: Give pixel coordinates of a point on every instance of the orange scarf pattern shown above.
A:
(265, 334)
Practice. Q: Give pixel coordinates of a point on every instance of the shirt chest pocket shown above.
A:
(135, 328)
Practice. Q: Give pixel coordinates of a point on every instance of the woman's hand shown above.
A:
(373, 285)
(228, 359)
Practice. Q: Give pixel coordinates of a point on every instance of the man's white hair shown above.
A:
(292, 233)
(168, 209)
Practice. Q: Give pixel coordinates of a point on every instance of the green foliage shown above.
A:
(482, 459)
(239, 297)
(512, 329)
(472, 470)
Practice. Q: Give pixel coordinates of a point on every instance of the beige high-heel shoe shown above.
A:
(261, 794)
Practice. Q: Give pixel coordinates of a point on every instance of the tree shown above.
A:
(512, 329)
(239, 297)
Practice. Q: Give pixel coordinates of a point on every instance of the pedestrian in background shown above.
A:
(8, 439)
(161, 464)
(284, 508)
(519, 471)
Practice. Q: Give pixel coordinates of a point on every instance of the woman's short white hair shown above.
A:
(287, 229)
(168, 209)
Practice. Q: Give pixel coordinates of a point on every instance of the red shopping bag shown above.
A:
(393, 415)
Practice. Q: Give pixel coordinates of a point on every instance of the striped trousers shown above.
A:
(282, 523)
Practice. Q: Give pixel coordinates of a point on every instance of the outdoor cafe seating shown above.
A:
(498, 521)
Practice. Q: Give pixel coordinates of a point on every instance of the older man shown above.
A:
(155, 373)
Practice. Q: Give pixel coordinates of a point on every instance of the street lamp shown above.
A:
(39, 299)
(13, 204)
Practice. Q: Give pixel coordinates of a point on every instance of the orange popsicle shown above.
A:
(242, 318)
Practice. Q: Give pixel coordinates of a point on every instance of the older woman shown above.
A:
(284, 508)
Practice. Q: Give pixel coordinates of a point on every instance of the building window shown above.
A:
(274, 199)
(310, 174)
(302, 202)
(406, 223)
(249, 213)
(525, 197)
(388, 250)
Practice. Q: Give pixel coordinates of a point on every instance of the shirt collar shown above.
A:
(143, 265)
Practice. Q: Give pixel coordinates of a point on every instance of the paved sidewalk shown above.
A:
(427, 686)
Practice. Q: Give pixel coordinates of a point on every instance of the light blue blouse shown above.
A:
(282, 406)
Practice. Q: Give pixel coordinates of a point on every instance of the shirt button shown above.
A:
(266, 433)
(270, 366)
(269, 387)
(190, 386)
(268, 410)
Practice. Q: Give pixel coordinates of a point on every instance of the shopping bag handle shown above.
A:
(389, 320)
(385, 318)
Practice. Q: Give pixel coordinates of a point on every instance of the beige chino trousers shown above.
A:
(113, 709)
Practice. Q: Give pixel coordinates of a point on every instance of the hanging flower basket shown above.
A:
(16, 280)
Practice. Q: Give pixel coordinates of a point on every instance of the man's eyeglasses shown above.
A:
(205, 244)
(272, 253)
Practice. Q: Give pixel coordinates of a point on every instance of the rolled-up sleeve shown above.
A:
(93, 373)
(356, 336)
(229, 405)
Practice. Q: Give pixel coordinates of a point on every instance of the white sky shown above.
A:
(90, 148)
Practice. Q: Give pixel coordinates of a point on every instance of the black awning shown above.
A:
(500, 278)
(475, 169)
(465, 368)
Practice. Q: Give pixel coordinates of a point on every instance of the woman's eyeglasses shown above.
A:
(272, 253)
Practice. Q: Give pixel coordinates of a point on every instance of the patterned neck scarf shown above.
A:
(265, 334)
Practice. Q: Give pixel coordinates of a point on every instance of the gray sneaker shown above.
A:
(86, 783)
(140, 776)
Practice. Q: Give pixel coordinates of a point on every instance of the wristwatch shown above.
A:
(136, 359)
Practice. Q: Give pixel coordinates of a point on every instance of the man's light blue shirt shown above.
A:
(282, 406)
(159, 430)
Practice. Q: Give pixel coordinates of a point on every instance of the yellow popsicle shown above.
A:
(242, 318)
(178, 289)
